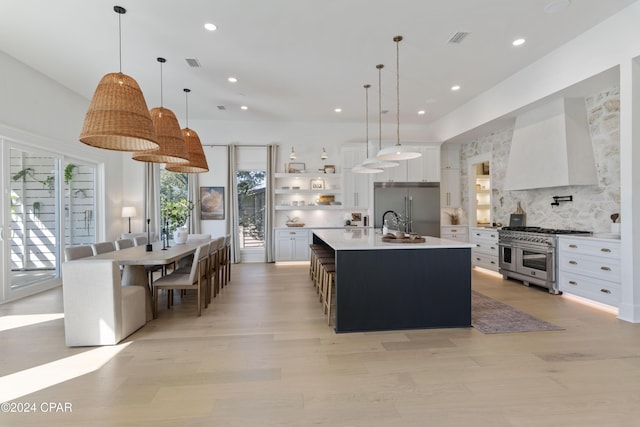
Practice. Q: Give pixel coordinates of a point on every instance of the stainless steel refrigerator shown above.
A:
(418, 202)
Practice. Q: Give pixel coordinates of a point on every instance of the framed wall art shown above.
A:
(212, 202)
(316, 184)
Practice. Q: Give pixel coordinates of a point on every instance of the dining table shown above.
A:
(135, 259)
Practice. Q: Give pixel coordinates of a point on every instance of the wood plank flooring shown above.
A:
(262, 355)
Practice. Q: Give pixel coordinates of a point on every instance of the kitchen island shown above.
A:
(390, 286)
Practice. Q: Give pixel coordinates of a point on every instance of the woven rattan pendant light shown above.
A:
(172, 147)
(197, 160)
(118, 117)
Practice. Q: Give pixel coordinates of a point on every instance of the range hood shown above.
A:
(551, 147)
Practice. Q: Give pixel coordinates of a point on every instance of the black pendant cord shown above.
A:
(161, 61)
(186, 98)
(379, 67)
(366, 115)
(398, 39)
(120, 11)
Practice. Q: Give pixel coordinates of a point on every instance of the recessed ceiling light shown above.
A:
(456, 87)
(232, 79)
(338, 110)
(209, 26)
(421, 112)
(556, 6)
(244, 107)
(518, 42)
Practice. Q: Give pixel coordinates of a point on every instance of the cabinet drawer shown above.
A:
(588, 287)
(600, 267)
(292, 232)
(483, 233)
(489, 248)
(485, 261)
(590, 246)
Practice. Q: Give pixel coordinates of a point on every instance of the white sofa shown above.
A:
(98, 310)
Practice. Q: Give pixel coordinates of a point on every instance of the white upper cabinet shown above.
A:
(356, 186)
(450, 156)
(425, 168)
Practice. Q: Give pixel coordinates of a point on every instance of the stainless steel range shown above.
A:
(530, 254)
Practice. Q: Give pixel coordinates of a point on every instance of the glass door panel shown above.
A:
(33, 219)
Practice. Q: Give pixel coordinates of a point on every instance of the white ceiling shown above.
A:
(296, 60)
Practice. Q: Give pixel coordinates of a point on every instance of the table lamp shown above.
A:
(128, 212)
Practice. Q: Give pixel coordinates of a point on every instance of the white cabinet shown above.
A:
(590, 267)
(455, 232)
(425, 168)
(356, 185)
(450, 155)
(292, 244)
(450, 188)
(485, 252)
(296, 191)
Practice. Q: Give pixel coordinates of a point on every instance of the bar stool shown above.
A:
(328, 281)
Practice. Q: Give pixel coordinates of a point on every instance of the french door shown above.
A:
(47, 203)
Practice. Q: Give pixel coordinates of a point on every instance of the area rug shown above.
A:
(493, 317)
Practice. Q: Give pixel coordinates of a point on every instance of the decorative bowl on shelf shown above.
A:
(295, 224)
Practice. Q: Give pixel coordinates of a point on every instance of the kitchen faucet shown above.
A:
(385, 214)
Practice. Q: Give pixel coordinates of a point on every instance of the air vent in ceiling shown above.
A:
(193, 62)
(458, 37)
(222, 107)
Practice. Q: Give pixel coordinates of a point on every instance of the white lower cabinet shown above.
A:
(590, 267)
(455, 232)
(292, 244)
(485, 252)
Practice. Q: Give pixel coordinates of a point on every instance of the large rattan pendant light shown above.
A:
(360, 168)
(172, 147)
(118, 117)
(374, 162)
(197, 161)
(398, 152)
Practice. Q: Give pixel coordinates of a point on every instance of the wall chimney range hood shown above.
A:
(551, 147)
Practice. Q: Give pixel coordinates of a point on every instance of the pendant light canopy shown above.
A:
(197, 160)
(172, 146)
(118, 117)
(374, 162)
(398, 152)
(361, 168)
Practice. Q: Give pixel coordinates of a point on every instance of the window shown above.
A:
(251, 208)
(174, 195)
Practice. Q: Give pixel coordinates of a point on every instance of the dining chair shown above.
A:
(124, 244)
(196, 279)
(140, 240)
(213, 280)
(103, 247)
(77, 252)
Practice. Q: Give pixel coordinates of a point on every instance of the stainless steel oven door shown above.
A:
(535, 261)
(507, 257)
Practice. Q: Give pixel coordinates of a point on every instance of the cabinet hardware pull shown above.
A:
(605, 291)
(573, 262)
(605, 268)
(493, 247)
(573, 246)
(453, 230)
(571, 282)
(605, 250)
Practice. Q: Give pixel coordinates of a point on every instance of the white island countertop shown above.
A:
(371, 239)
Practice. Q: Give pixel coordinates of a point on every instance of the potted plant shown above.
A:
(176, 214)
(453, 217)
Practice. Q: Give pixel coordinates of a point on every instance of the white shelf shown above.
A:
(307, 191)
(309, 208)
(309, 175)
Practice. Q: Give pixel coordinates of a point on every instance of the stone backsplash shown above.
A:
(591, 206)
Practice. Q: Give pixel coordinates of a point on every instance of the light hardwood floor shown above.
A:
(262, 355)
